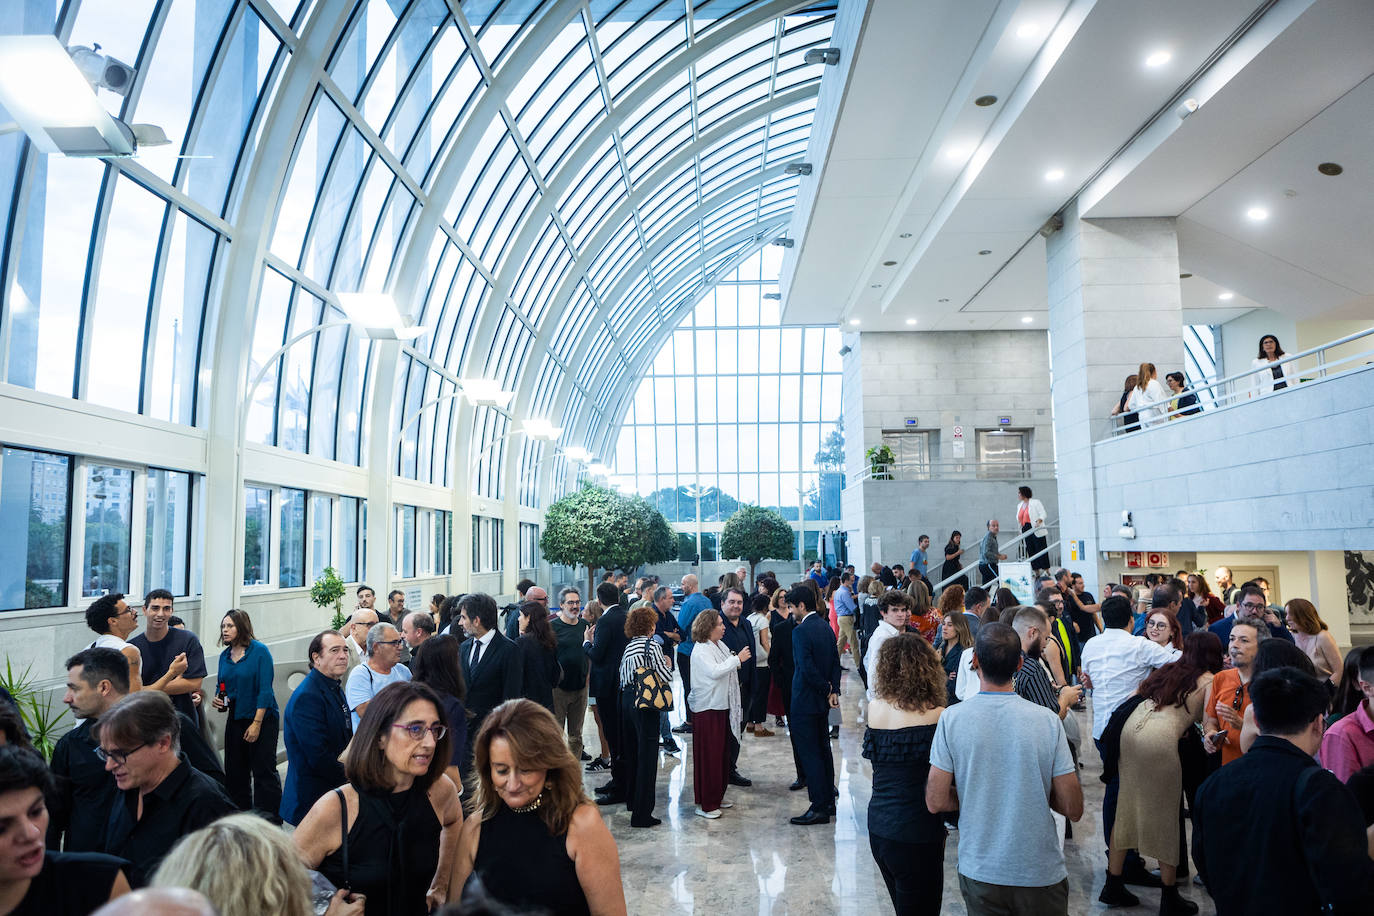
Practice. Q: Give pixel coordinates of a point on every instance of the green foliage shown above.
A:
(36, 595)
(598, 528)
(881, 461)
(329, 590)
(755, 533)
(831, 455)
(43, 724)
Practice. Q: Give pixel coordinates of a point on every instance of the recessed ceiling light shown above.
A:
(984, 101)
(877, 286)
(1184, 276)
(1330, 168)
(904, 235)
(1054, 174)
(854, 322)
(889, 263)
(944, 300)
(1158, 58)
(956, 153)
(986, 251)
(1028, 30)
(1026, 319)
(911, 321)
(1226, 297)
(1257, 214)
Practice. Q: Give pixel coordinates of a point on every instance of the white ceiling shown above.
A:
(911, 154)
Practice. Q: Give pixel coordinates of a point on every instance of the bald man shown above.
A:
(159, 901)
(693, 603)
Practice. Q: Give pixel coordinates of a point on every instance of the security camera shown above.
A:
(102, 70)
(1127, 527)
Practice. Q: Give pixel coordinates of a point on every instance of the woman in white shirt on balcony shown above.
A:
(1276, 379)
(1148, 390)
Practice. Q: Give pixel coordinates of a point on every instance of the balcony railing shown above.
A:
(958, 470)
(1235, 389)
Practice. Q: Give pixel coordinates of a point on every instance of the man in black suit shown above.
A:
(492, 667)
(739, 634)
(815, 690)
(605, 649)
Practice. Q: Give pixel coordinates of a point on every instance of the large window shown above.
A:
(167, 532)
(109, 529)
(529, 546)
(35, 498)
(486, 543)
(292, 558)
(321, 534)
(257, 535)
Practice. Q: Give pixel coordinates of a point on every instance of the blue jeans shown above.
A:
(665, 727)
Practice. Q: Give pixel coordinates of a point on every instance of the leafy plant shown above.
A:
(329, 589)
(880, 462)
(754, 533)
(598, 528)
(43, 724)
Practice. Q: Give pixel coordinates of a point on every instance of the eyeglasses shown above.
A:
(1252, 606)
(367, 626)
(1157, 625)
(119, 757)
(417, 731)
(388, 642)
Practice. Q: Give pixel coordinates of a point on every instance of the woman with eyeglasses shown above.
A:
(250, 736)
(1162, 627)
(391, 832)
(535, 840)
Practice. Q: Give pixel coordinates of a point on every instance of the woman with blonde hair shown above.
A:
(530, 807)
(907, 841)
(1148, 390)
(215, 861)
(1312, 637)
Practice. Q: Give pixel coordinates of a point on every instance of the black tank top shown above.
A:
(509, 842)
(393, 851)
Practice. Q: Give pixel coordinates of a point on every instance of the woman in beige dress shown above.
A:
(1151, 774)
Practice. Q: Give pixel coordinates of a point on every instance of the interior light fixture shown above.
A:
(1258, 214)
(1026, 319)
(985, 101)
(53, 103)
(539, 428)
(875, 285)
(943, 300)
(911, 321)
(1227, 296)
(889, 263)
(985, 251)
(1330, 169)
(772, 295)
(854, 322)
(486, 392)
(597, 469)
(1028, 30)
(1187, 107)
(797, 168)
(1054, 175)
(578, 453)
(1158, 58)
(377, 316)
(828, 56)
(956, 153)
(784, 243)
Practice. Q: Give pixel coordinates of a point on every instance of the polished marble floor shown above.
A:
(752, 860)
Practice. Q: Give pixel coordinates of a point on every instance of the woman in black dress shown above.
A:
(952, 562)
(34, 880)
(436, 663)
(908, 842)
(530, 807)
(400, 812)
(539, 651)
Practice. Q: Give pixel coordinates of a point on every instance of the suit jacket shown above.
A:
(738, 636)
(607, 648)
(316, 727)
(816, 666)
(498, 677)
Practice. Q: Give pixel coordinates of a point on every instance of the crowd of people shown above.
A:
(441, 763)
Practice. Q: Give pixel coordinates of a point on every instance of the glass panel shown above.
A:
(291, 562)
(181, 307)
(405, 542)
(321, 534)
(35, 498)
(257, 535)
(349, 526)
(167, 535)
(109, 526)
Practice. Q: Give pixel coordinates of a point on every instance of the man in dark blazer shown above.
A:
(739, 634)
(605, 650)
(815, 690)
(492, 667)
(316, 727)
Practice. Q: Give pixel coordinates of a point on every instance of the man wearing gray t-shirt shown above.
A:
(1004, 764)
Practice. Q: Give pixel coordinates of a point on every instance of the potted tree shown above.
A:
(329, 590)
(754, 533)
(598, 528)
(880, 462)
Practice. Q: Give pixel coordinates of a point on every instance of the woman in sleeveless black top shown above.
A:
(533, 825)
(401, 812)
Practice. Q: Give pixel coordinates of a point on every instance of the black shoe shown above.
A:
(834, 731)
(1136, 873)
(1172, 904)
(614, 798)
(1114, 893)
(811, 817)
(797, 786)
(737, 780)
(836, 791)
(586, 756)
(609, 788)
(684, 729)
(598, 764)
(651, 822)
(670, 746)
(777, 722)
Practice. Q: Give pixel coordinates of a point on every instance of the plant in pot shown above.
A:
(880, 462)
(329, 590)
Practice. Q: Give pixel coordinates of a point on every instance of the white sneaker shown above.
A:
(710, 815)
(727, 804)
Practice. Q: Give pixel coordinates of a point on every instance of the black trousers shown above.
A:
(1033, 546)
(784, 681)
(811, 743)
(250, 768)
(614, 729)
(684, 661)
(757, 711)
(913, 873)
(640, 755)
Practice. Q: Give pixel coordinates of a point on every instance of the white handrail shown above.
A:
(936, 587)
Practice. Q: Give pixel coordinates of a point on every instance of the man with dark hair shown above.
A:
(1032, 681)
(112, 620)
(492, 666)
(846, 613)
(815, 691)
(1251, 602)
(739, 634)
(396, 605)
(1085, 616)
(96, 680)
(367, 600)
(1274, 832)
(173, 660)
(976, 601)
(1113, 665)
(899, 573)
(1349, 744)
(1227, 697)
(160, 797)
(992, 758)
(607, 646)
(693, 603)
(817, 574)
(988, 557)
(570, 693)
(920, 559)
(316, 727)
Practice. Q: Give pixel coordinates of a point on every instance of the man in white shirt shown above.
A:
(113, 622)
(895, 608)
(355, 635)
(1114, 664)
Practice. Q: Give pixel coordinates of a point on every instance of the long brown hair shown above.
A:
(952, 600)
(1304, 613)
(909, 674)
(1172, 684)
(243, 628)
(536, 743)
(538, 627)
(1145, 375)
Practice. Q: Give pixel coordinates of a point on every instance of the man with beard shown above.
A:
(739, 634)
(1032, 681)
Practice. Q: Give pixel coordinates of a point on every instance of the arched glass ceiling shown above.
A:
(546, 186)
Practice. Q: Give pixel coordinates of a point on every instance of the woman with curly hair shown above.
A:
(951, 601)
(908, 842)
(530, 808)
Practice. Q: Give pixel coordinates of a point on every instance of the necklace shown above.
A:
(532, 806)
